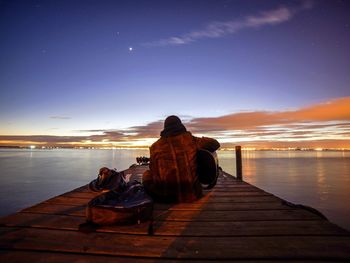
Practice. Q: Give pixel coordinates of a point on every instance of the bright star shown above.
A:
(131, 49)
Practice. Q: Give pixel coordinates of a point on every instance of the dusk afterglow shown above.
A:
(261, 74)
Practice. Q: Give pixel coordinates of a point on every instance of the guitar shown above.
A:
(207, 168)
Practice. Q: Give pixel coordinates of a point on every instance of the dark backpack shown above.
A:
(108, 179)
(133, 205)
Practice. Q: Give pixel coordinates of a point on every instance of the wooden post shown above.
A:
(238, 163)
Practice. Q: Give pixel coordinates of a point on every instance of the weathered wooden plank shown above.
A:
(84, 192)
(81, 189)
(46, 208)
(232, 182)
(44, 257)
(233, 194)
(43, 221)
(186, 215)
(223, 206)
(71, 208)
(217, 191)
(79, 210)
(236, 189)
(67, 200)
(221, 216)
(239, 199)
(195, 228)
(228, 187)
(280, 247)
(244, 228)
(83, 195)
(223, 197)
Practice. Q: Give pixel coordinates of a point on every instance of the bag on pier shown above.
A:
(108, 179)
(130, 206)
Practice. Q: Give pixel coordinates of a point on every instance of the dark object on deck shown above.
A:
(238, 163)
(128, 207)
(108, 179)
(207, 168)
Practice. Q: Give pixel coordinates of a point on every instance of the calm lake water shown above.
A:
(317, 179)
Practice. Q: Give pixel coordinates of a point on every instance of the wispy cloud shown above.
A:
(57, 117)
(337, 110)
(322, 125)
(220, 29)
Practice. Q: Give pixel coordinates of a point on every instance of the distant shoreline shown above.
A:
(137, 148)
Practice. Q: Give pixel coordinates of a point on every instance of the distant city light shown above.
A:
(32, 147)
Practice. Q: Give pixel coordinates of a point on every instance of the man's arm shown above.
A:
(209, 144)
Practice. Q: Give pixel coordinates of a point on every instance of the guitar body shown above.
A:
(207, 168)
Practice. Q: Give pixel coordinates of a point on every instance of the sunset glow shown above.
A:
(261, 74)
(324, 125)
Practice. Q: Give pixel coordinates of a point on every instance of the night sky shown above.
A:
(257, 73)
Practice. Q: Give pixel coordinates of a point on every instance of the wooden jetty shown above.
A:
(235, 221)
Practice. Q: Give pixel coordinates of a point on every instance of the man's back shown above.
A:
(173, 166)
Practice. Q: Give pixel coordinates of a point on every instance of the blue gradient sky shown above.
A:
(66, 66)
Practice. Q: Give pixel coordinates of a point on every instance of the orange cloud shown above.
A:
(321, 125)
(335, 110)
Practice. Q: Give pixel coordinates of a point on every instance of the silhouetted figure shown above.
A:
(172, 176)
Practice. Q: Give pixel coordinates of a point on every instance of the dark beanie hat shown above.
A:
(172, 121)
(172, 126)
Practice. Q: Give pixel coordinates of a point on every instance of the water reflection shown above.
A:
(316, 178)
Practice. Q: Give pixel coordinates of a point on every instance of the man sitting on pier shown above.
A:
(172, 176)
